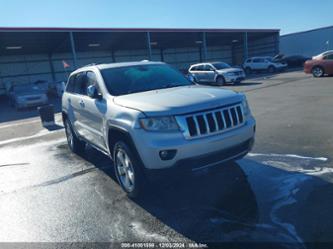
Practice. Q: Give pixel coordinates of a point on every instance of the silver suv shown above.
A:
(151, 120)
(216, 72)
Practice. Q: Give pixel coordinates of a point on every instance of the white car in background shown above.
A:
(264, 63)
(216, 72)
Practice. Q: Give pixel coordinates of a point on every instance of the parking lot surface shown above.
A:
(281, 193)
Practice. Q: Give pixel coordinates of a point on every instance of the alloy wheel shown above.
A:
(69, 135)
(125, 170)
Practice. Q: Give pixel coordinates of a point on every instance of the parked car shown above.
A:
(27, 95)
(42, 85)
(291, 61)
(151, 120)
(264, 63)
(320, 65)
(216, 72)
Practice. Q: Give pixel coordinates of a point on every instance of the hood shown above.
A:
(178, 100)
(230, 70)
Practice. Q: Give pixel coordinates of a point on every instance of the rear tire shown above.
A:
(220, 81)
(75, 145)
(318, 72)
(128, 170)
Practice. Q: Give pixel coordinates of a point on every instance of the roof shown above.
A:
(26, 40)
(116, 65)
(308, 31)
(128, 64)
(76, 29)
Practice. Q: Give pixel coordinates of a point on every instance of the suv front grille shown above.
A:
(211, 122)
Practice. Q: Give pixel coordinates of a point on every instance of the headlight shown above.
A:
(246, 107)
(159, 124)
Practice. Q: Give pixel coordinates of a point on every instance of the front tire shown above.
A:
(220, 81)
(74, 144)
(318, 72)
(128, 170)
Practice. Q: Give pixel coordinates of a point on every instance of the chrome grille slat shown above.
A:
(196, 125)
(230, 117)
(206, 122)
(205, 126)
(223, 119)
(215, 121)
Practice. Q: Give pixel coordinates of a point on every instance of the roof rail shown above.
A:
(90, 64)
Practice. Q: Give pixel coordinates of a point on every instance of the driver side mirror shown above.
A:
(93, 93)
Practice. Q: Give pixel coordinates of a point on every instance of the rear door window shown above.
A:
(70, 85)
(258, 60)
(80, 83)
(201, 68)
(208, 68)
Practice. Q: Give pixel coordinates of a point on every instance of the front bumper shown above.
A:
(27, 104)
(149, 145)
(189, 165)
(235, 78)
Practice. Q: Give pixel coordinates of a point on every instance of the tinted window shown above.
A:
(141, 78)
(258, 60)
(201, 68)
(80, 82)
(91, 79)
(208, 68)
(328, 57)
(70, 84)
(194, 68)
(221, 65)
(249, 61)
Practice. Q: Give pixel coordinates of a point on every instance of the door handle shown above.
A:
(82, 104)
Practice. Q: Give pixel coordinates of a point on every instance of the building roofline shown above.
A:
(308, 31)
(75, 29)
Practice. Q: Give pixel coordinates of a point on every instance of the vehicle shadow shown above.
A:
(244, 84)
(213, 84)
(9, 113)
(254, 204)
(54, 127)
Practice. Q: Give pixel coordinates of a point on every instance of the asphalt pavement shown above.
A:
(279, 196)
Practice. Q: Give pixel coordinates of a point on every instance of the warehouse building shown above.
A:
(307, 43)
(50, 54)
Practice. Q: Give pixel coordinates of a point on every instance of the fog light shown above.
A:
(167, 154)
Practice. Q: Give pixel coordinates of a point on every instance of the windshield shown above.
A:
(220, 65)
(141, 78)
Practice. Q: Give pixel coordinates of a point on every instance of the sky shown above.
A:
(287, 15)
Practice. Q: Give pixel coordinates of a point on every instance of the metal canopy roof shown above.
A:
(18, 41)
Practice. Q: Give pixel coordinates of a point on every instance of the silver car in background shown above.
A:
(216, 72)
(28, 95)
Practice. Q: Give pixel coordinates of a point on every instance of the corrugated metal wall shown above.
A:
(29, 68)
(307, 43)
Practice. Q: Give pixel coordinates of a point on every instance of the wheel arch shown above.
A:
(116, 133)
(219, 76)
(318, 66)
